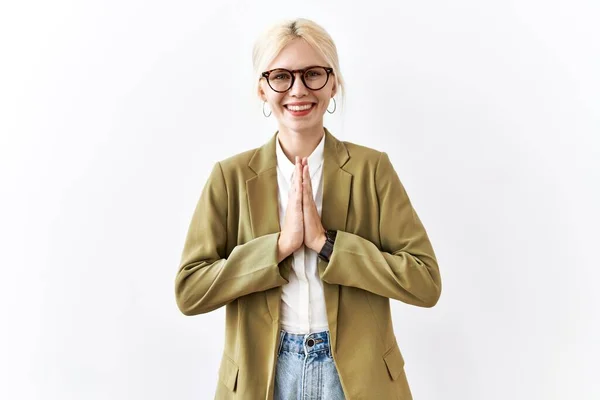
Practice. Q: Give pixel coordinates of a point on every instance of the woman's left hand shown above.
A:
(314, 233)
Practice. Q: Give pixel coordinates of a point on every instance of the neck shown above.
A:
(300, 143)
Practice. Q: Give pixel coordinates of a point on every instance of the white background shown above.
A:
(113, 112)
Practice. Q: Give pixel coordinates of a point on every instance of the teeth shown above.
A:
(299, 108)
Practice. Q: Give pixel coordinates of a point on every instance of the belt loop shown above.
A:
(281, 335)
(329, 344)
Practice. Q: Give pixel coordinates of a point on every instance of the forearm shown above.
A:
(203, 285)
(411, 277)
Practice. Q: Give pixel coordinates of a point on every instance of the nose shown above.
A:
(298, 89)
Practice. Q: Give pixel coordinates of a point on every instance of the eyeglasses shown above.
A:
(281, 80)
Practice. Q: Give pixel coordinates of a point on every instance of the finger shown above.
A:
(296, 173)
(299, 181)
(304, 175)
(299, 175)
(307, 178)
(292, 186)
(306, 189)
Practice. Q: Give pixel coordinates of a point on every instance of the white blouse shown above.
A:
(302, 301)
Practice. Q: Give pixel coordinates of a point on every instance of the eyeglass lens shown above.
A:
(281, 79)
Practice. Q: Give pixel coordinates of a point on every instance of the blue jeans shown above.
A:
(305, 368)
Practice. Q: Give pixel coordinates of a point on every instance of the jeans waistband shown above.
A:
(304, 343)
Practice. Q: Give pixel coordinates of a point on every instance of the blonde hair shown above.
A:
(274, 39)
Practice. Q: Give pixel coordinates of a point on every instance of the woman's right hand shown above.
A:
(292, 231)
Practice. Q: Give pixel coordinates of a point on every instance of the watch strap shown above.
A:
(327, 250)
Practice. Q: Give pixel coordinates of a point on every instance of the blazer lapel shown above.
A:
(262, 192)
(263, 204)
(337, 184)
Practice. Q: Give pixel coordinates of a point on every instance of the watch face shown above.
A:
(331, 234)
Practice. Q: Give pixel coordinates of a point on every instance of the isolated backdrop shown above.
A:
(112, 114)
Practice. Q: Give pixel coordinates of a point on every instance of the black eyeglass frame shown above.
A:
(266, 74)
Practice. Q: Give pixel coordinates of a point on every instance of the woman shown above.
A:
(304, 240)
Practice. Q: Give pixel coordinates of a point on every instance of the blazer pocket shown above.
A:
(228, 373)
(394, 361)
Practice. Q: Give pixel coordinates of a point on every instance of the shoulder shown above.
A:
(361, 151)
(238, 160)
(235, 167)
(362, 157)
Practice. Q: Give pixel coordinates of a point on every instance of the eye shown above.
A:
(279, 75)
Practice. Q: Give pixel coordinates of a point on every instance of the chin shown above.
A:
(302, 126)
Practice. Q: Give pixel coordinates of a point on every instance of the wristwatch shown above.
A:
(325, 253)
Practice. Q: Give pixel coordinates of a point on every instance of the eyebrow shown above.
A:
(305, 67)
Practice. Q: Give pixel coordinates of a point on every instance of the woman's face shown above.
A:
(298, 54)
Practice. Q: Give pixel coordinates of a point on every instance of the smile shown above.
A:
(299, 110)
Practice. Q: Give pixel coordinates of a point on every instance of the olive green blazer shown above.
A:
(381, 252)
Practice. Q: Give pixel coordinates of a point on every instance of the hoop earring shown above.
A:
(270, 111)
(334, 106)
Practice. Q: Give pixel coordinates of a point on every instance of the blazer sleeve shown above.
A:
(206, 280)
(405, 268)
